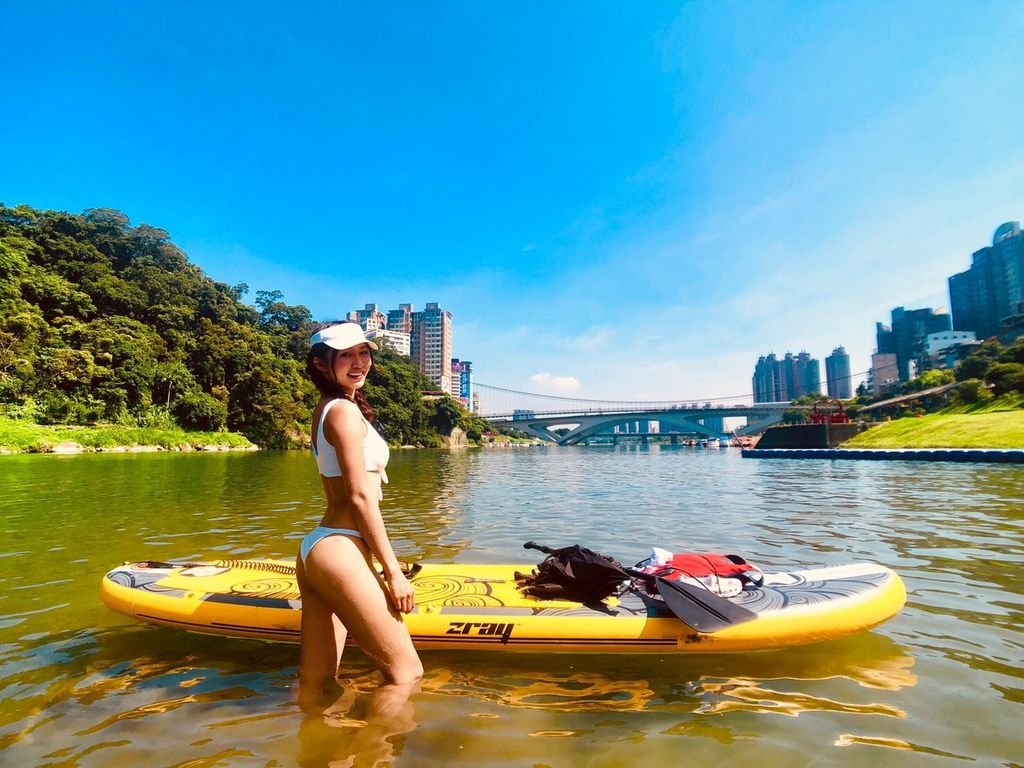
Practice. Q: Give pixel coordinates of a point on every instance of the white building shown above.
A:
(396, 340)
(370, 318)
(947, 348)
(943, 340)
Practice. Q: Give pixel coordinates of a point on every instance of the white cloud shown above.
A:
(556, 383)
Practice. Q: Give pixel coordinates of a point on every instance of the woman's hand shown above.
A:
(403, 596)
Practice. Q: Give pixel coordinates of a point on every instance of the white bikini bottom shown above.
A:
(322, 532)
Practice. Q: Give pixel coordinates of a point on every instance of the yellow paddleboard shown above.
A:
(479, 607)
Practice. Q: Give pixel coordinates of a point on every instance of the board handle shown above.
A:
(538, 547)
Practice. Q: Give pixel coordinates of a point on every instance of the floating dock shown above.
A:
(986, 455)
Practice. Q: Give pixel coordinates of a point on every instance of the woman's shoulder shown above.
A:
(344, 420)
(342, 405)
(342, 410)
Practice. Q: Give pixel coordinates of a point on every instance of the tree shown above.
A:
(198, 410)
(1014, 353)
(70, 370)
(55, 295)
(446, 415)
(476, 427)
(979, 361)
(800, 413)
(270, 403)
(14, 263)
(930, 379)
(176, 379)
(394, 390)
(107, 219)
(1005, 378)
(9, 366)
(969, 392)
(276, 315)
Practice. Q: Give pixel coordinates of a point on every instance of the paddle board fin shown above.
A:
(700, 608)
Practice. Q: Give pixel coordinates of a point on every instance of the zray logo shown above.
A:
(504, 631)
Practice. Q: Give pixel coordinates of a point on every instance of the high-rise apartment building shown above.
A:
(986, 297)
(787, 379)
(462, 381)
(432, 344)
(837, 374)
(884, 373)
(370, 318)
(424, 336)
(767, 385)
(908, 338)
(375, 324)
(400, 319)
(802, 375)
(885, 340)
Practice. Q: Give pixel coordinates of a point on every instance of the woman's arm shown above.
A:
(345, 429)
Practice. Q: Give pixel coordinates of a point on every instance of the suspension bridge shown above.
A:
(569, 421)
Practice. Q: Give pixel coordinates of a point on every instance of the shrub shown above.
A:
(157, 417)
(1006, 378)
(970, 391)
(28, 410)
(978, 362)
(198, 410)
(445, 416)
(55, 408)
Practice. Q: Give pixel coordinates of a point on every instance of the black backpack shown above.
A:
(572, 573)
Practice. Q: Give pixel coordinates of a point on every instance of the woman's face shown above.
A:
(350, 366)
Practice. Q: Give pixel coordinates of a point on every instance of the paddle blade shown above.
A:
(701, 609)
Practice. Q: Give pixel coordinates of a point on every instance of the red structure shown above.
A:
(830, 412)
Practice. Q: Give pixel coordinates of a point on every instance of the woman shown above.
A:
(341, 590)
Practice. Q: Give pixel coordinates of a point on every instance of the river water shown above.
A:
(941, 684)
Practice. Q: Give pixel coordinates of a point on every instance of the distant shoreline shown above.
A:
(20, 437)
(69, 448)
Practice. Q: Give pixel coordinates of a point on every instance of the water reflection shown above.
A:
(552, 690)
(357, 728)
(703, 684)
(80, 685)
(850, 740)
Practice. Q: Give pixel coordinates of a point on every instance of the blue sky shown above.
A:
(615, 200)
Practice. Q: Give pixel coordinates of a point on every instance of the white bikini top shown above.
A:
(375, 450)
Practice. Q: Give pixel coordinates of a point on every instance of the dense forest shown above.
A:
(103, 322)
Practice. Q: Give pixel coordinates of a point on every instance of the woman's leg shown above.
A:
(340, 573)
(323, 638)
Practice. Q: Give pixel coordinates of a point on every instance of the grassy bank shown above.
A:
(25, 436)
(996, 424)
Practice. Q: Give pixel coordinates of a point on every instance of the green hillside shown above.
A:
(1002, 429)
(102, 322)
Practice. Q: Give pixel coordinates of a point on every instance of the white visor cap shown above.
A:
(341, 336)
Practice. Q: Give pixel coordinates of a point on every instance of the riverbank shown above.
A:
(970, 429)
(17, 436)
